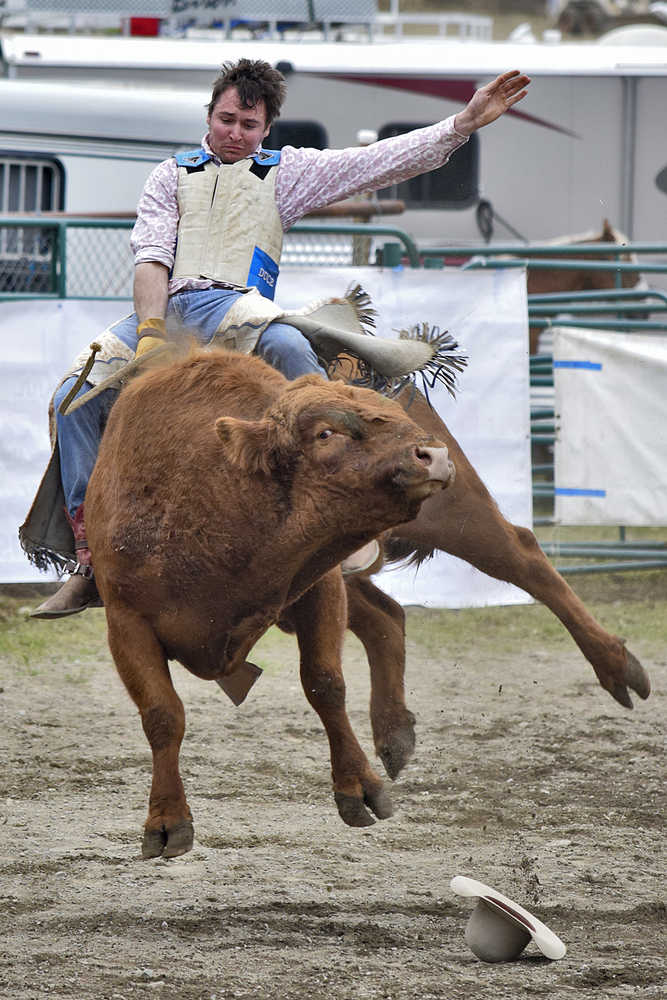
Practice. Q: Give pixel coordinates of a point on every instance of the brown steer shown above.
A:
(223, 498)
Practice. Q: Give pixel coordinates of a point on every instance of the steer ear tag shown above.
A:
(499, 929)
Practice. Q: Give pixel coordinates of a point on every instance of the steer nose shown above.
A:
(436, 460)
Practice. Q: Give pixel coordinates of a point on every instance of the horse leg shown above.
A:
(378, 621)
(319, 619)
(142, 665)
(465, 521)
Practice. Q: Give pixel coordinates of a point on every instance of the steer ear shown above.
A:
(247, 443)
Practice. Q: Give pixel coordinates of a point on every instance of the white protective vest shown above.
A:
(229, 229)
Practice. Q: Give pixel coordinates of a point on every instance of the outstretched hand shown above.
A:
(492, 101)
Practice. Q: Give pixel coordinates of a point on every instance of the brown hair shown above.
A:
(254, 80)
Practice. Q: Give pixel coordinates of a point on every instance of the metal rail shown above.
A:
(618, 556)
(594, 324)
(54, 256)
(545, 250)
(548, 264)
(585, 309)
(362, 229)
(617, 295)
(611, 567)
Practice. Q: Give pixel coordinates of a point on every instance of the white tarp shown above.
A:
(485, 311)
(611, 443)
(39, 340)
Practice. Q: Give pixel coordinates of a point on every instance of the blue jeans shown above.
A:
(200, 313)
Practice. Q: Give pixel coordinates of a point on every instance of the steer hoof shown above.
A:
(353, 811)
(397, 746)
(168, 843)
(380, 803)
(635, 677)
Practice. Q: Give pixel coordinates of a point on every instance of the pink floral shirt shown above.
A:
(307, 179)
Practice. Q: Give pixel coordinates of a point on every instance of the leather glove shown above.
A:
(152, 333)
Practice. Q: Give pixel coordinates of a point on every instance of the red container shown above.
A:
(147, 27)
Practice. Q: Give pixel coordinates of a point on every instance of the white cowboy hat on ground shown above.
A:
(499, 929)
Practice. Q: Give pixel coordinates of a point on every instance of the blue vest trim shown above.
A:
(267, 157)
(192, 158)
(197, 157)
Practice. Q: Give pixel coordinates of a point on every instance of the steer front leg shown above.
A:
(379, 622)
(320, 618)
(142, 665)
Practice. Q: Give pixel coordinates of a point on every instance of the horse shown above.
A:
(542, 281)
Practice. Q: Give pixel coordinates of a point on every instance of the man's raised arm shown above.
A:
(491, 101)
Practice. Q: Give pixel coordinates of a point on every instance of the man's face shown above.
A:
(235, 131)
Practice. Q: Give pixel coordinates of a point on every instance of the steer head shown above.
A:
(332, 442)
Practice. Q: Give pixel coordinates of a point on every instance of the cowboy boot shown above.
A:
(80, 591)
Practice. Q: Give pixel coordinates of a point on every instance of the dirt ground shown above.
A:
(526, 776)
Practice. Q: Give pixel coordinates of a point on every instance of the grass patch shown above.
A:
(631, 605)
(276, 652)
(489, 630)
(31, 646)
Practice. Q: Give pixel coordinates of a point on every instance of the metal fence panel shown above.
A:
(27, 260)
(131, 8)
(94, 260)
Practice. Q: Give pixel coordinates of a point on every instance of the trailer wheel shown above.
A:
(484, 217)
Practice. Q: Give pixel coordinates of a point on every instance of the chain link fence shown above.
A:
(28, 260)
(99, 263)
(95, 261)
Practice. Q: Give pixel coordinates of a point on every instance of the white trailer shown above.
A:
(588, 142)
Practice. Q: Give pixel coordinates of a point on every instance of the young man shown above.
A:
(209, 227)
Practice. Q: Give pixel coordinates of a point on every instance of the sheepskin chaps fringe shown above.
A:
(441, 363)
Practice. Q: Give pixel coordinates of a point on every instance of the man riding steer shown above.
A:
(209, 231)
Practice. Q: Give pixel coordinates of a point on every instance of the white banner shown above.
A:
(485, 311)
(611, 444)
(39, 339)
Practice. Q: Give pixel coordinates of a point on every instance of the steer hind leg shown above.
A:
(320, 618)
(142, 665)
(464, 521)
(378, 621)
(468, 524)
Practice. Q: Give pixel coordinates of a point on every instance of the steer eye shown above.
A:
(326, 433)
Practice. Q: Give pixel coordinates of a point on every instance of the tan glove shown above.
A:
(152, 333)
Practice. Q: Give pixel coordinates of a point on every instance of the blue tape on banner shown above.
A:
(593, 366)
(562, 491)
